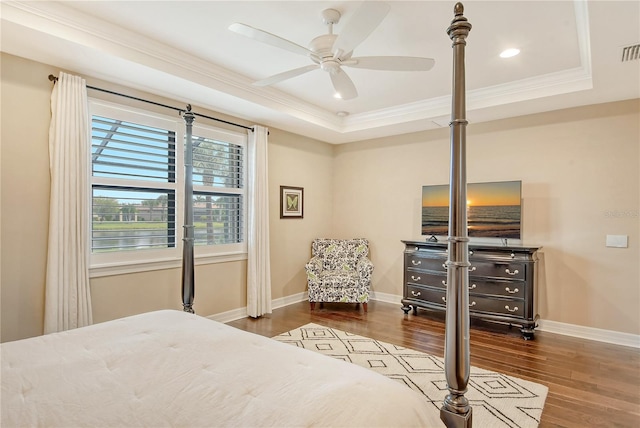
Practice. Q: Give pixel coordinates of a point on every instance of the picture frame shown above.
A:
(291, 202)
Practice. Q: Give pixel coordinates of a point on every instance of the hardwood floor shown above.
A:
(591, 384)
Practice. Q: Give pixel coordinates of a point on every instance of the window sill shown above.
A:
(123, 268)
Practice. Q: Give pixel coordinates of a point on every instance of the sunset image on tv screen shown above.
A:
(493, 209)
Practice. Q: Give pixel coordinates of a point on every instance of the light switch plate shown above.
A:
(618, 241)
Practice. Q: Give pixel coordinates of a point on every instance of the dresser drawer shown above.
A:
(513, 289)
(426, 294)
(511, 308)
(414, 261)
(438, 280)
(497, 269)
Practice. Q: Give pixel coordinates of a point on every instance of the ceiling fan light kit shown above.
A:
(330, 52)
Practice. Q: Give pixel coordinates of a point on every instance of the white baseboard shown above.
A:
(597, 334)
(239, 313)
(589, 333)
(228, 316)
(289, 300)
(386, 297)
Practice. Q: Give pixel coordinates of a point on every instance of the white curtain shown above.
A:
(258, 263)
(67, 297)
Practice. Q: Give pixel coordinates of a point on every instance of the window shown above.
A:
(137, 190)
(133, 191)
(218, 180)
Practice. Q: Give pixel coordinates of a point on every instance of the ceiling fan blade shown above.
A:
(286, 75)
(364, 20)
(268, 38)
(343, 85)
(391, 63)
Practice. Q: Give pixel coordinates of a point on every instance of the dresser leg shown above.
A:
(406, 309)
(527, 332)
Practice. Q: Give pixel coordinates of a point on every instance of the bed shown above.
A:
(172, 368)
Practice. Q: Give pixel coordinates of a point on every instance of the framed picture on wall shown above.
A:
(291, 202)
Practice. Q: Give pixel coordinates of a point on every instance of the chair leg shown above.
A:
(364, 306)
(313, 305)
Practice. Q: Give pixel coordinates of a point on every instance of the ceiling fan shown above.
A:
(330, 52)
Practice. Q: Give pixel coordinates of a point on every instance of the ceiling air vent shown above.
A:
(631, 53)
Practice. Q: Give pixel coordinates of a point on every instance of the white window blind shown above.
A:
(128, 150)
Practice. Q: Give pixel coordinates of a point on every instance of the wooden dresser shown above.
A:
(502, 282)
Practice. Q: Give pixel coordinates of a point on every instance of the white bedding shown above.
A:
(170, 368)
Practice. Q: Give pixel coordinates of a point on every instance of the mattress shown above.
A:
(171, 368)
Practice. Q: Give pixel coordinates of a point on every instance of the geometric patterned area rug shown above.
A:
(497, 400)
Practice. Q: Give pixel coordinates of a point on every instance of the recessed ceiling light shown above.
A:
(337, 95)
(508, 53)
(342, 113)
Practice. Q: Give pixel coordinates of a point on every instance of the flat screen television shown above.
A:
(493, 210)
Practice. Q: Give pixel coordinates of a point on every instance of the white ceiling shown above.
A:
(570, 56)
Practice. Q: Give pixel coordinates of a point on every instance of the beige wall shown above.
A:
(299, 162)
(24, 205)
(577, 167)
(293, 160)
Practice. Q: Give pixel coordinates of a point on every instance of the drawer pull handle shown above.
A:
(472, 286)
(471, 252)
(416, 263)
(415, 278)
(511, 310)
(415, 294)
(444, 282)
(515, 290)
(471, 268)
(444, 299)
(515, 272)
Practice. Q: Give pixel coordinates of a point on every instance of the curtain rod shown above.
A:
(54, 79)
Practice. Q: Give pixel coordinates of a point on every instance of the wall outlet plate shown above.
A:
(617, 241)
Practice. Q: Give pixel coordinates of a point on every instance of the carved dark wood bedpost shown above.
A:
(456, 411)
(188, 281)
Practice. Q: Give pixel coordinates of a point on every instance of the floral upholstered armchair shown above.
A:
(339, 271)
